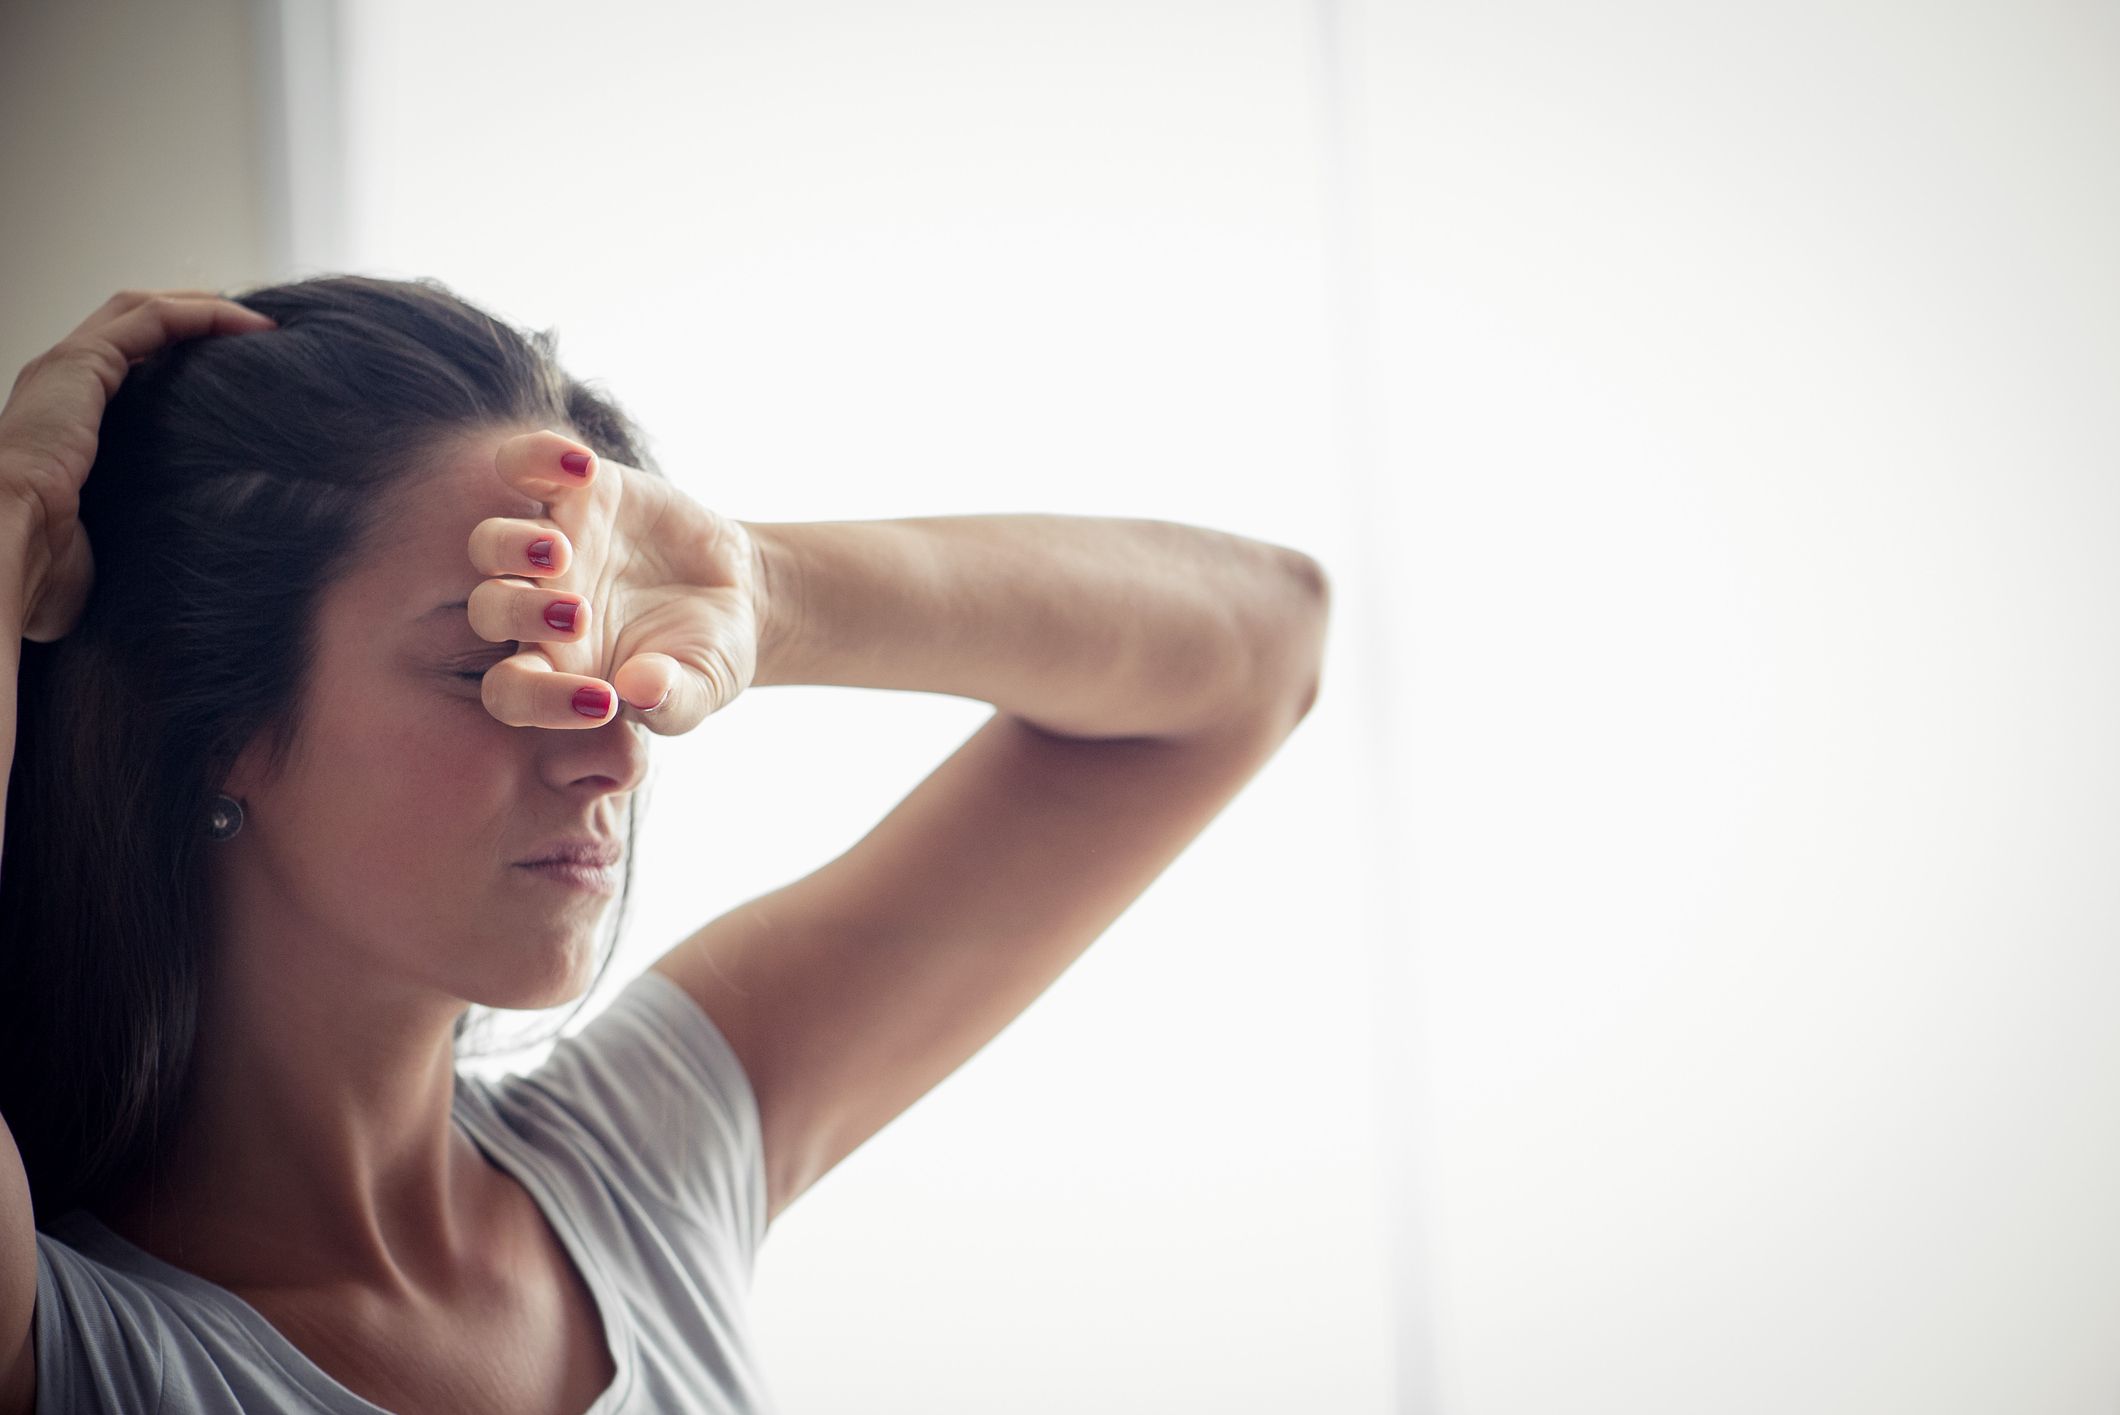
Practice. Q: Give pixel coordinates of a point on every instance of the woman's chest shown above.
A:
(540, 1351)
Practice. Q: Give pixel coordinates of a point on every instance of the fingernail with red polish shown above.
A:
(576, 462)
(560, 615)
(541, 553)
(592, 702)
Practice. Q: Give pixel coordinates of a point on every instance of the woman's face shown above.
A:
(389, 846)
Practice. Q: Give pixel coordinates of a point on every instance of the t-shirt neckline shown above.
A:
(104, 1243)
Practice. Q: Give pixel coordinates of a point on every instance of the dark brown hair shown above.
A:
(235, 478)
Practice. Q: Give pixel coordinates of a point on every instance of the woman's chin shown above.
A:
(553, 973)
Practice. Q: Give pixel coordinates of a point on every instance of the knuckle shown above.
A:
(481, 549)
(721, 681)
(92, 354)
(487, 608)
(501, 693)
(32, 368)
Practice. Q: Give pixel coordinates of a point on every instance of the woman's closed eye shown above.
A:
(474, 672)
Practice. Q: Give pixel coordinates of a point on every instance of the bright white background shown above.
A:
(1672, 970)
(851, 262)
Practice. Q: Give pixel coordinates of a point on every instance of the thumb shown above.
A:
(63, 595)
(670, 697)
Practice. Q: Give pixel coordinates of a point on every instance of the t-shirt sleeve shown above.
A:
(654, 1083)
(99, 1335)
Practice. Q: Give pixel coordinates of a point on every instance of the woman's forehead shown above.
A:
(422, 550)
(465, 488)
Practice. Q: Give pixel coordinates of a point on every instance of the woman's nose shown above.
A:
(616, 752)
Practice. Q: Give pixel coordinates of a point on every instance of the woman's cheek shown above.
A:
(433, 761)
(463, 763)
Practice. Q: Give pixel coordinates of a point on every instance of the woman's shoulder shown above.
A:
(645, 1098)
(101, 1332)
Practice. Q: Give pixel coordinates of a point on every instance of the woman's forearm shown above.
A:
(1085, 626)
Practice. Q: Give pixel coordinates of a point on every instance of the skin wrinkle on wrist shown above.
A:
(779, 583)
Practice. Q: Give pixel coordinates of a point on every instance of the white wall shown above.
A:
(132, 159)
(1748, 377)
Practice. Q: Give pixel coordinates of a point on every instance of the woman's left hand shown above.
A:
(669, 595)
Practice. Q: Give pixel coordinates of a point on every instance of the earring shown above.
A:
(226, 817)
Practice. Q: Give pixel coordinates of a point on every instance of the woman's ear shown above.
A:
(249, 773)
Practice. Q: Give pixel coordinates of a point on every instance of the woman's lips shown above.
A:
(601, 879)
(581, 850)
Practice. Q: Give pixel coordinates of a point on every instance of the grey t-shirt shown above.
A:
(639, 1138)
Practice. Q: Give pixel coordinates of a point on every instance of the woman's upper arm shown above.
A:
(18, 1228)
(18, 1282)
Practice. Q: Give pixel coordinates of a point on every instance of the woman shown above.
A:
(278, 819)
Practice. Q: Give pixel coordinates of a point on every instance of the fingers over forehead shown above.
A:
(509, 609)
(486, 608)
(545, 464)
(501, 545)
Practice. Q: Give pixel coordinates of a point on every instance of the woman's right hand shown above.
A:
(48, 432)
